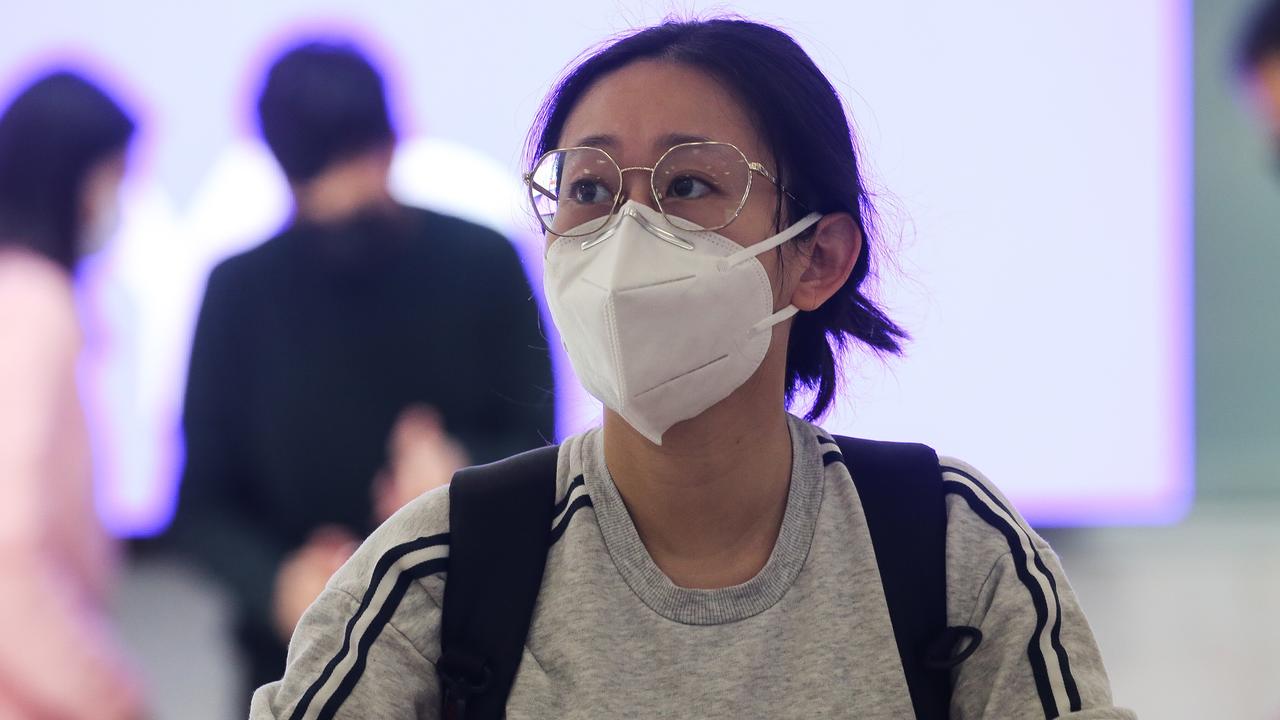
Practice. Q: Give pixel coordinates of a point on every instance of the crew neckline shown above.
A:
(718, 606)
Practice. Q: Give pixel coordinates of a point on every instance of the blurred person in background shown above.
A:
(62, 157)
(349, 363)
(1259, 65)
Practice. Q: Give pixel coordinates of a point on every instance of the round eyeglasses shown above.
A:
(576, 191)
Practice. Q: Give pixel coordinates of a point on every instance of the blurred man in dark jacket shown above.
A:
(361, 317)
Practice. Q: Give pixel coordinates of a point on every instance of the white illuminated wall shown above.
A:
(1031, 163)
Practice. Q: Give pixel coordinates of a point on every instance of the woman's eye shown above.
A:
(686, 187)
(589, 192)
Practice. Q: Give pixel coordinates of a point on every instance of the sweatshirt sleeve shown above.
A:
(1037, 657)
(367, 647)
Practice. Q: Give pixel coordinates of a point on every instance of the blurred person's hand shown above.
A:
(422, 457)
(303, 575)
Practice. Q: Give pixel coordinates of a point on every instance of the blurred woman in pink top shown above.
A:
(62, 151)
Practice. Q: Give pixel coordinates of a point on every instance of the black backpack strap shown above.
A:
(499, 525)
(900, 486)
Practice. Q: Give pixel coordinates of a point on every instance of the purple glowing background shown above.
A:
(1039, 234)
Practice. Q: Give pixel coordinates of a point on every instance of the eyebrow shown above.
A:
(673, 139)
(661, 144)
(597, 141)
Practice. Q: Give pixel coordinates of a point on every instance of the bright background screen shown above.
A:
(1031, 162)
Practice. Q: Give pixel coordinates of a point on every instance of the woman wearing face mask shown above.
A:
(62, 147)
(708, 236)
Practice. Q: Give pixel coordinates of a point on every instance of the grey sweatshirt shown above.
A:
(612, 636)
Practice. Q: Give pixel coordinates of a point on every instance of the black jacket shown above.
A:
(308, 347)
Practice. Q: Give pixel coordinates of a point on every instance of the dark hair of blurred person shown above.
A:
(1260, 40)
(321, 103)
(62, 143)
(62, 150)
(335, 373)
(1258, 62)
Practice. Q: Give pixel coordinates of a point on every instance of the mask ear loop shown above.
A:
(774, 319)
(751, 251)
(762, 247)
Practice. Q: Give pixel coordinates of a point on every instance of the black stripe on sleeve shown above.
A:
(388, 609)
(577, 482)
(384, 564)
(831, 457)
(583, 500)
(1039, 668)
(1055, 636)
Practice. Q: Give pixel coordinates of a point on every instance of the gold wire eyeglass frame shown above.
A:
(754, 168)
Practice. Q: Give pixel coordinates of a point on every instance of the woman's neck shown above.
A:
(707, 503)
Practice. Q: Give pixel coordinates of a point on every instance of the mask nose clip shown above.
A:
(657, 231)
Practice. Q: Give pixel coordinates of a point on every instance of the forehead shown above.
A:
(637, 111)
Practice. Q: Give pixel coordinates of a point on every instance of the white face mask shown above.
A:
(103, 220)
(662, 323)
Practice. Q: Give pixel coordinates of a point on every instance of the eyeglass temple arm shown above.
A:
(528, 178)
(764, 172)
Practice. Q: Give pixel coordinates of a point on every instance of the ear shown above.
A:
(828, 258)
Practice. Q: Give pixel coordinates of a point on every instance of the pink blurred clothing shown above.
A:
(58, 655)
